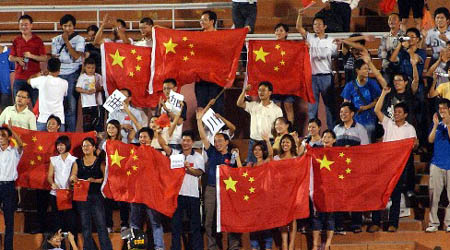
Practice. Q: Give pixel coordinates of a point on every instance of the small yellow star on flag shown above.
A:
(325, 163)
(31, 162)
(341, 154)
(192, 53)
(341, 177)
(246, 198)
(131, 74)
(132, 151)
(128, 173)
(276, 68)
(251, 179)
(116, 158)
(191, 45)
(139, 58)
(282, 62)
(283, 53)
(348, 170)
(133, 51)
(135, 157)
(34, 139)
(348, 160)
(117, 59)
(185, 38)
(260, 54)
(170, 46)
(230, 184)
(39, 158)
(134, 168)
(245, 174)
(251, 190)
(277, 46)
(185, 58)
(40, 148)
(138, 68)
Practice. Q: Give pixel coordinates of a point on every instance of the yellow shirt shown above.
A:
(444, 90)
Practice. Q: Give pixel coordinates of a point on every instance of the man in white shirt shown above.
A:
(262, 115)
(52, 90)
(189, 197)
(438, 37)
(321, 50)
(145, 26)
(9, 159)
(19, 114)
(343, 9)
(394, 130)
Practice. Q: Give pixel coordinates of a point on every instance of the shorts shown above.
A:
(283, 98)
(404, 6)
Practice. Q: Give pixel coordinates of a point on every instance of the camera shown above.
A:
(65, 234)
(404, 38)
(135, 237)
(443, 74)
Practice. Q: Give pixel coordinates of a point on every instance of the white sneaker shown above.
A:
(404, 212)
(123, 229)
(432, 229)
(110, 230)
(448, 229)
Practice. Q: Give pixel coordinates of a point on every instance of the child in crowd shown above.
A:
(52, 90)
(89, 86)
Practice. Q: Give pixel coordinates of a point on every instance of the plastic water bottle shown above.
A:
(233, 158)
(25, 60)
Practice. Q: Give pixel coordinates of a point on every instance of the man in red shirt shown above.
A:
(27, 52)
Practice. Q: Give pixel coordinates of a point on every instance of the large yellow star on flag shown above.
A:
(260, 54)
(170, 46)
(117, 59)
(116, 158)
(230, 184)
(325, 163)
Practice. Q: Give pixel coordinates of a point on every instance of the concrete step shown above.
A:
(407, 245)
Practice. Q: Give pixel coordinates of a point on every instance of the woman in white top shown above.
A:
(58, 176)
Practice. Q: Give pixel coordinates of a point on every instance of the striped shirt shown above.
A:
(355, 135)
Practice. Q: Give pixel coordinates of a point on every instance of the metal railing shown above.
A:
(27, 9)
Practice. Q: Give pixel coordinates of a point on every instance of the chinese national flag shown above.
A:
(80, 190)
(64, 199)
(128, 66)
(263, 197)
(141, 175)
(286, 64)
(189, 56)
(38, 147)
(359, 178)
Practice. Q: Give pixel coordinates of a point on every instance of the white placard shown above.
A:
(211, 121)
(114, 101)
(175, 101)
(177, 161)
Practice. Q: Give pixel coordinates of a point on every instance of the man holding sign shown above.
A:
(189, 197)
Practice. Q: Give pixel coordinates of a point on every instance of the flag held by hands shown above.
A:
(80, 190)
(64, 199)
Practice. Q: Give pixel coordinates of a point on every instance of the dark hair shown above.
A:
(63, 139)
(148, 131)
(362, 41)
(116, 124)
(122, 22)
(53, 65)
(263, 147)
(403, 106)
(127, 90)
(394, 14)
(414, 30)
(267, 84)
(46, 237)
(444, 101)
(319, 18)
(188, 133)
(147, 20)
(405, 77)
(349, 105)
(442, 10)
(92, 27)
(67, 18)
(55, 118)
(91, 141)
(285, 120)
(212, 15)
(333, 134)
(27, 17)
(89, 61)
(7, 130)
(293, 145)
(24, 89)
(285, 27)
(171, 80)
(225, 136)
(316, 121)
(358, 64)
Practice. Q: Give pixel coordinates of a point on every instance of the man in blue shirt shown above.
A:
(440, 165)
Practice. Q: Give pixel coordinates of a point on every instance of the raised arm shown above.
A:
(163, 142)
(373, 68)
(229, 124)
(269, 147)
(394, 55)
(98, 40)
(415, 82)
(241, 100)
(299, 24)
(201, 129)
(380, 102)
(433, 92)
(16, 137)
(432, 134)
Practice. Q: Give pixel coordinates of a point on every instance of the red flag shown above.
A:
(189, 56)
(38, 147)
(359, 178)
(141, 175)
(63, 199)
(286, 64)
(387, 6)
(263, 197)
(128, 66)
(163, 121)
(80, 190)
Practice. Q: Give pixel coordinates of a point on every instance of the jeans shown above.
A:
(205, 91)
(71, 101)
(93, 209)
(323, 221)
(266, 235)
(155, 219)
(124, 208)
(250, 156)
(43, 127)
(394, 211)
(192, 206)
(8, 204)
(244, 14)
(18, 84)
(323, 84)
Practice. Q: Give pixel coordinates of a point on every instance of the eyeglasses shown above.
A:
(21, 96)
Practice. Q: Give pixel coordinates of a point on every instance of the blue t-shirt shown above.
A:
(214, 158)
(441, 154)
(6, 67)
(370, 91)
(404, 59)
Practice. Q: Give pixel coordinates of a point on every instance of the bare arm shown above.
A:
(39, 58)
(16, 59)
(415, 81)
(379, 104)
(73, 174)
(175, 122)
(394, 56)
(229, 124)
(50, 174)
(375, 71)
(16, 137)
(163, 143)
(201, 130)
(432, 134)
(433, 92)
(433, 67)
(99, 35)
(299, 24)
(73, 53)
(241, 100)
